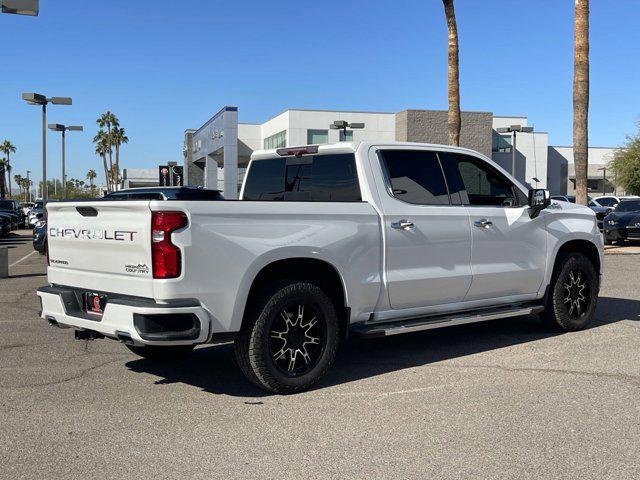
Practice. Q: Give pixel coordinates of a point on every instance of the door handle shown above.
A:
(402, 224)
(483, 223)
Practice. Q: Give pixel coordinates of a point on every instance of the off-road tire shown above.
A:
(252, 346)
(556, 313)
(160, 353)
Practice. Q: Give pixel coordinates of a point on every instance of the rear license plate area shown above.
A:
(94, 303)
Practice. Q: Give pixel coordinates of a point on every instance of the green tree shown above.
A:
(8, 148)
(625, 165)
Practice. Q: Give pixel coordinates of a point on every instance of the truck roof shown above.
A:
(343, 147)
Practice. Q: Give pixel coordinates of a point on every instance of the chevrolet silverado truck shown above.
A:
(352, 238)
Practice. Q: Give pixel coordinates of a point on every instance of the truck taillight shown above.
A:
(165, 256)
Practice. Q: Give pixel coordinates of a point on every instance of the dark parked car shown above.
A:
(623, 223)
(12, 208)
(165, 193)
(598, 209)
(40, 237)
(5, 225)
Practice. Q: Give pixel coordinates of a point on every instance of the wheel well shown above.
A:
(318, 272)
(585, 247)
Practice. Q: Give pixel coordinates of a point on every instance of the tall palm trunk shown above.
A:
(581, 98)
(9, 172)
(110, 153)
(117, 164)
(453, 75)
(106, 171)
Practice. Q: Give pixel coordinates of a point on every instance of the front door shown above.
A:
(427, 240)
(508, 256)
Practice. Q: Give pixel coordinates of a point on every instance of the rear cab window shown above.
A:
(330, 177)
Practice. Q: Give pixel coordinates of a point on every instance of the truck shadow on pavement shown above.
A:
(213, 368)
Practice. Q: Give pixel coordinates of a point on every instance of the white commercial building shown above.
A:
(217, 153)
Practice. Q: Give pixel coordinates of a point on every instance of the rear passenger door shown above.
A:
(427, 240)
(508, 256)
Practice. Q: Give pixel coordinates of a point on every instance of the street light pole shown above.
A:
(27, 194)
(604, 180)
(57, 127)
(45, 190)
(39, 99)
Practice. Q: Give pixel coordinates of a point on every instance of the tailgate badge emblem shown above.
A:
(141, 268)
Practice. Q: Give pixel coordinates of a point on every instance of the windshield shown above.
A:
(628, 206)
(6, 205)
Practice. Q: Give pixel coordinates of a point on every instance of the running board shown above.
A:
(398, 327)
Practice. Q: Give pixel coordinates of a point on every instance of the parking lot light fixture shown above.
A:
(513, 129)
(57, 127)
(20, 7)
(39, 99)
(343, 125)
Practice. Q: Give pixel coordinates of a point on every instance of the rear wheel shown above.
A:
(160, 353)
(289, 339)
(573, 293)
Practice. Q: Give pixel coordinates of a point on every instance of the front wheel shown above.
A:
(573, 293)
(289, 339)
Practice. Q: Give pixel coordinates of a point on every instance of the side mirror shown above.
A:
(539, 199)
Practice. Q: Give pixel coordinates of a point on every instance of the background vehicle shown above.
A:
(623, 223)
(36, 213)
(5, 225)
(599, 210)
(40, 237)
(165, 193)
(612, 200)
(373, 239)
(12, 208)
(26, 208)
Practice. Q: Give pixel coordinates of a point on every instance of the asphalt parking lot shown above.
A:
(503, 399)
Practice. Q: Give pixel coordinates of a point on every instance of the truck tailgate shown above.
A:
(101, 245)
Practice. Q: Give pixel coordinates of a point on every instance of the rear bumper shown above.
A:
(145, 322)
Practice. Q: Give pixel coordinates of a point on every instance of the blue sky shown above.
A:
(164, 66)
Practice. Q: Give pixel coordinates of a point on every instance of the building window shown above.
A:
(317, 137)
(501, 143)
(278, 140)
(346, 136)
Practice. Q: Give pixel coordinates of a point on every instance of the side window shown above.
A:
(319, 178)
(477, 183)
(416, 176)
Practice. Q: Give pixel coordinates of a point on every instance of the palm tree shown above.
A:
(108, 120)
(91, 175)
(18, 179)
(26, 185)
(118, 137)
(453, 75)
(102, 148)
(8, 148)
(581, 97)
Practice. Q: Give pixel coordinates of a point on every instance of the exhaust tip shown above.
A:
(125, 338)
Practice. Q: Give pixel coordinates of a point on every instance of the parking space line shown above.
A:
(23, 258)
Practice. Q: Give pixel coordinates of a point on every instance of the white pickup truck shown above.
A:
(371, 239)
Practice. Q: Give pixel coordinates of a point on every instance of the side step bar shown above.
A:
(372, 330)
